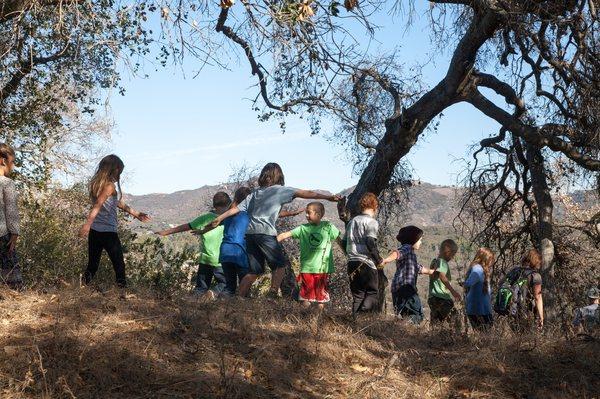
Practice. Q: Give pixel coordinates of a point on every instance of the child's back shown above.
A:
(9, 217)
(263, 207)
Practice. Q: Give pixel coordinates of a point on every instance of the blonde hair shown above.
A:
(484, 257)
(109, 171)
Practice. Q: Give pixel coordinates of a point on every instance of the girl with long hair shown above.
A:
(479, 302)
(101, 224)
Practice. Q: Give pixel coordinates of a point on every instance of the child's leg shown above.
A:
(219, 276)
(231, 278)
(246, 284)
(94, 253)
(11, 272)
(356, 285)
(203, 278)
(113, 247)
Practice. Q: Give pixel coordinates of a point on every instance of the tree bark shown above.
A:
(544, 231)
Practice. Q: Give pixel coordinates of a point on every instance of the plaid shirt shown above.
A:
(407, 268)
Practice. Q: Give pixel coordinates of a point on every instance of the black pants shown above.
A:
(481, 323)
(205, 276)
(97, 241)
(364, 284)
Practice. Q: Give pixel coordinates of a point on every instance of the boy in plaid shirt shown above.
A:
(404, 285)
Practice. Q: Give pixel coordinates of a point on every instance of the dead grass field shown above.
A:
(80, 343)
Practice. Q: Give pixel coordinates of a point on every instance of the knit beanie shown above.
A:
(409, 235)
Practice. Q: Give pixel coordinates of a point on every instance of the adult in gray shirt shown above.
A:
(263, 207)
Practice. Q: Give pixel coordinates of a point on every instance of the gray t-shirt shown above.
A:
(588, 315)
(263, 207)
(106, 219)
(9, 212)
(359, 228)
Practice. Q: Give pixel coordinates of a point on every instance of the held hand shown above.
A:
(215, 223)
(143, 217)
(12, 243)
(197, 232)
(299, 211)
(84, 231)
(456, 296)
(161, 233)
(335, 198)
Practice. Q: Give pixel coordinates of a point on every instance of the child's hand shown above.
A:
(161, 233)
(335, 198)
(143, 217)
(456, 296)
(299, 211)
(84, 230)
(197, 232)
(12, 243)
(214, 224)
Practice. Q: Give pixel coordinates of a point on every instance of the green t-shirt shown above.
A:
(436, 286)
(210, 242)
(316, 255)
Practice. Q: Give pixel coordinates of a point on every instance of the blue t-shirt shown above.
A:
(233, 246)
(478, 303)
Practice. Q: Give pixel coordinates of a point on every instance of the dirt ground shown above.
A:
(81, 343)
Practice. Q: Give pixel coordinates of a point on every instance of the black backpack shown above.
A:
(513, 296)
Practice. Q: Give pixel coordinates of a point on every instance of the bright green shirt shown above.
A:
(210, 241)
(316, 255)
(436, 286)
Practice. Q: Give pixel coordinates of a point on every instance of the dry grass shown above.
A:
(78, 343)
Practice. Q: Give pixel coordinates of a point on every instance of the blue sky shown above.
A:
(176, 133)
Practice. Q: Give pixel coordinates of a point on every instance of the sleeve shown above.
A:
(578, 318)
(243, 206)
(297, 232)
(201, 221)
(476, 276)
(373, 251)
(333, 232)
(536, 279)
(286, 194)
(11, 208)
(372, 229)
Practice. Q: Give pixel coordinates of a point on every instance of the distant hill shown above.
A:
(429, 205)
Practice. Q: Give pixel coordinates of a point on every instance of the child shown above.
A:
(263, 206)
(232, 255)
(316, 255)
(363, 256)
(440, 291)
(9, 220)
(208, 261)
(404, 285)
(101, 224)
(479, 300)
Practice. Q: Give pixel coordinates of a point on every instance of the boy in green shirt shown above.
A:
(440, 291)
(210, 244)
(316, 255)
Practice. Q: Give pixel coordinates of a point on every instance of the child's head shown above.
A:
(7, 158)
(109, 171)
(315, 212)
(241, 194)
(221, 202)
(368, 201)
(270, 175)
(410, 235)
(448, 249)
(484, 257)
(532, 259)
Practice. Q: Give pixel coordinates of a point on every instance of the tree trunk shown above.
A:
(544, 229)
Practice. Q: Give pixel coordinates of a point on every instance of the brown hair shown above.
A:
(532, 259)
(319, 207)
(270, 175)
(485, 258)
(241, 194)
(368, 201)
(221, 199)
(109, 171)
(6, 150)
(449, 244)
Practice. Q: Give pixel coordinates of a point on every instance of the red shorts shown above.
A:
(314, 287)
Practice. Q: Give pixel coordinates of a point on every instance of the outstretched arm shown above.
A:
(178, 229)
(234, 210)
(285, 214)
(394, 255)
(284, 236)
(141, 216)
(308, 194)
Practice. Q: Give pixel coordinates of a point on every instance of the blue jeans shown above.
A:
(205, 276)
(233, 274)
